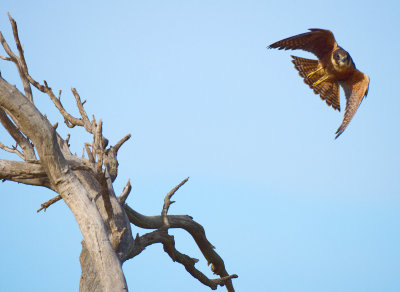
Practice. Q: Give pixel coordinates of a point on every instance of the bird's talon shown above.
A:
(316, 83)
(309, 75)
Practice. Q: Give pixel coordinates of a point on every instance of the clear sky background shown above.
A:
(288, 207)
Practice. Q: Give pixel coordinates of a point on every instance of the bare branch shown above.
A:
(12, 150)
(22, 67)
(85, 119)
(110, 161)
(69, 124)
(120, 142)
(50, 202)
(89, 152)
(193, 228)
(125, 193)
(17, 42)
(18, 61)
(27, 148)
(188, 262)
(70, 120)
(161, 236)
(93, 122)
(168, 202)
(27, 79)
(8, 50)
(24, 172)
(224, 281)
(98, 145)
(18, 169)
(5, 58)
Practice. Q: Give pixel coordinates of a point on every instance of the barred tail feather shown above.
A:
(305, 67)
(328, 91)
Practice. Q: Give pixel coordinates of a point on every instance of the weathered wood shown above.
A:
(85, 185)
(38, 129)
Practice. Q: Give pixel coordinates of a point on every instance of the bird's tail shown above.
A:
(311, 73)
(306, 67)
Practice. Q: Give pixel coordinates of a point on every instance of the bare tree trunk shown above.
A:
(67, 184)
(89, 281)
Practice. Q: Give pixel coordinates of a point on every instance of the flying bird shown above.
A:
(334, 67)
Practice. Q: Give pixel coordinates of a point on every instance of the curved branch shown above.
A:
(193, 228)
(122, 141)
(125, 192)
(168, 241)
(168, 202)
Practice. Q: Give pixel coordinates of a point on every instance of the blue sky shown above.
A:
(288, 207)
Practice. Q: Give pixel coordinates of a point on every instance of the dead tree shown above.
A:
(85, 184)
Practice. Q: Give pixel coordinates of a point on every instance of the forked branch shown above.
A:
(193, 228)
(168, 202)
(168, 242)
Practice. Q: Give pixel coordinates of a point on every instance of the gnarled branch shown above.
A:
(168, 241)
(162, 223)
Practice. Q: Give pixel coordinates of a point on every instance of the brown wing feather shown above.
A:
(318, 41)
(328, 91)
(355, 89)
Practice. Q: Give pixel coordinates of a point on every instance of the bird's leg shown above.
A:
(309, 75)
(320, 81)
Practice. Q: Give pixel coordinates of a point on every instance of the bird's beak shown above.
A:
(345, 59)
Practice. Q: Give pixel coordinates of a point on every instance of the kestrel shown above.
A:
(334, 67)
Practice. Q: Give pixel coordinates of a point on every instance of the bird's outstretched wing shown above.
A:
(355, 89)
(318, 41)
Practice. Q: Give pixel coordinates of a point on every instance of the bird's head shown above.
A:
(342, 59)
